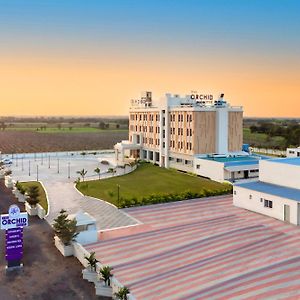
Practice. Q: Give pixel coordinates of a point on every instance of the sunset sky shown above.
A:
(84, 57)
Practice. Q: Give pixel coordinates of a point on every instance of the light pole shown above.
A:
(58, 166)
(49, 162)
(22, 164)
(37, 172)
(69, 170)
(42, 159)
(118, 186)
(34, 156)
(29, 167)
(16, 160)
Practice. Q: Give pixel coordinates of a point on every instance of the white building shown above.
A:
(276, 194)
(293, 152)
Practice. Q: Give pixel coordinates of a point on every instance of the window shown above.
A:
(250, 197)
(164, 145)
(198, 166)
(234, 192)
(268, 203)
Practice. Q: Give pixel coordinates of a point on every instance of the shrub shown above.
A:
(33, 195)
(64, 228)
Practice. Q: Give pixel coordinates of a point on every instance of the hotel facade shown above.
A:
(178, 131)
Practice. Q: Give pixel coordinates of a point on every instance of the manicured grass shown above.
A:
(43, 200)
(146, 181)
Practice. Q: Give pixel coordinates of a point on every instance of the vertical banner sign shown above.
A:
(13, 223)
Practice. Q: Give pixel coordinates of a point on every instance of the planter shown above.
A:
(89, 275)
(9, 182)
(102, 289)
(63, 249)
(31, 210)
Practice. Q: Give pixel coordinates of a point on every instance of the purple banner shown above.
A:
(14, 244)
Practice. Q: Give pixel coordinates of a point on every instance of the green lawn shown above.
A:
(43, 200)
(146, 181)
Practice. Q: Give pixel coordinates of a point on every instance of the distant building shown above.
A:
(276, 194)
(186, 133)
(293, 152)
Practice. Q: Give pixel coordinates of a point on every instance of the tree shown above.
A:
(122, 293)
(65, 228)
(101, 125)
(97, 170)
(106, 274)
(92, 261)
(112, 170)
(82, 173)
(33, 195)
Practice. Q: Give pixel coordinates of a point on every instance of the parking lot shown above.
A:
(205, 249)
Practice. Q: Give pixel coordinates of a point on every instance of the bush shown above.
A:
(33, 195)
(171, 197)
(64, 228)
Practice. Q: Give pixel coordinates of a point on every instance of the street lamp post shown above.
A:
(29, 167)
(42, 159)
(16, 160)
(118, 186)
(37, 172)
(22, 163)
(58, 166)
(69, 170)
(49, 162)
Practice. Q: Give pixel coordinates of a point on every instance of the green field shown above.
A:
(146, 181)
(65, 129)
(43, 199)
(262, 140)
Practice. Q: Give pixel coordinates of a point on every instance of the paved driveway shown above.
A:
(60, 188)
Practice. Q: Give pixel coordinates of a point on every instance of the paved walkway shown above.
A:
(46, 275)
(61, 191)
(64, 195)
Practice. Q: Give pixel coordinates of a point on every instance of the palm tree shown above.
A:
(106, 274)
(122, 293)
(97, 170)
(82, 173)
(112, 170)
(92, 261)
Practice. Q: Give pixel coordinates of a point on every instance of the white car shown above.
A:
(6, 161)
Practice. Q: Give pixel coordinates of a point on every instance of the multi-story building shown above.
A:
(174, 130)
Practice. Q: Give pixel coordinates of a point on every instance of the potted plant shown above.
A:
(122, 293)
(32, 200)
(103, 287)
(106, 274)
(8, 179)
(90, 273)
(65, 233)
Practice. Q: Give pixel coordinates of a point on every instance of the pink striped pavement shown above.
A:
(205, 249)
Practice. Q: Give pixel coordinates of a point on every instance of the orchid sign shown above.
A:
(13, 223)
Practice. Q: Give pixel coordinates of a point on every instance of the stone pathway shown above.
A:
(62, 193)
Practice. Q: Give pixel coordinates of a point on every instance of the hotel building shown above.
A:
(184, 132)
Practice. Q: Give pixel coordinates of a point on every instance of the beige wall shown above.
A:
(141, 122)
(181, 132)
(204, 139)
(235, 131)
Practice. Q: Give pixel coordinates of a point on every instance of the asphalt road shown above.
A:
(46, 273)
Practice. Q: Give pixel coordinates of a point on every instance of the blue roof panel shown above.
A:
(272, 189)
(290, 160)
